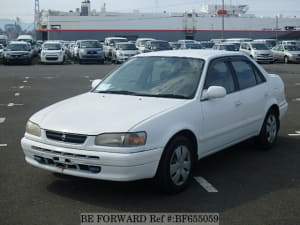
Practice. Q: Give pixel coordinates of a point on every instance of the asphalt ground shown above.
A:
(253, 187)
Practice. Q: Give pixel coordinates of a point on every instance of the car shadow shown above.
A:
(240, 174)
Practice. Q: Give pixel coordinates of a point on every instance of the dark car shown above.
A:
(157, 45)
(90, 51)
(17, 52)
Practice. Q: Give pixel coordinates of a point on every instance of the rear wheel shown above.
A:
(175, 169)
(269, 130)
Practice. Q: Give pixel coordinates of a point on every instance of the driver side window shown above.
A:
(219, 74)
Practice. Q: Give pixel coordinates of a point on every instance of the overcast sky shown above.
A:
(25, 8)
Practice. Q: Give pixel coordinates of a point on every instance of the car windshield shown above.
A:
(168, 77)
(90, 44)
(17, 47)
(160, 45)
(114, 41)
(259, 46)
(292, 48)
(228, 47)
(175, 45)
(142, 43)
(52, 46)
(193, 46)
(126, 47)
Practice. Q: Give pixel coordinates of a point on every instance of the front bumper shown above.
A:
(52, 58)
(17, 58)
(92, 164)
(91, 57)
(264, 58)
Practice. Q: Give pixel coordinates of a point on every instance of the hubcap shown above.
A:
(180, 165)
(271, 128)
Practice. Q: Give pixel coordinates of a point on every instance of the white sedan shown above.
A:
(156, 115)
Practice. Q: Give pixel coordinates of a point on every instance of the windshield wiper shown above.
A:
(165, 96)
(121, 92)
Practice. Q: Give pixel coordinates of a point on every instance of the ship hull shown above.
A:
(169, 35)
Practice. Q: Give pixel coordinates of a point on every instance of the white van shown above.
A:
(26, 38)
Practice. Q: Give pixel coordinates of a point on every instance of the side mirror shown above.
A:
(214, 92)
(96, 82)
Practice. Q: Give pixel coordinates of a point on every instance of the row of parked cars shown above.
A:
(120, 49)
(263, 50)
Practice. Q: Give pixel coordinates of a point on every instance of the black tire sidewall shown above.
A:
(163, 175)
(262, 139)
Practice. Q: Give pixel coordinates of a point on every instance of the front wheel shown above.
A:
(286, 59)
(175, 169)
(269, 131)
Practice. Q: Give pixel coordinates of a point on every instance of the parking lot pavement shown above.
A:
(244, 185)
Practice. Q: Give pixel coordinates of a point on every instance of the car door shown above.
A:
(221, 116)
(253, 96)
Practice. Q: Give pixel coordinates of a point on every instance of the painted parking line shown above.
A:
(297, 133)
(17, 94)
(3, 145)
(2, 119)
(13, 104)
(25, 81)
(205, 184)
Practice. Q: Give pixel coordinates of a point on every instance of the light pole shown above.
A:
(223, 14)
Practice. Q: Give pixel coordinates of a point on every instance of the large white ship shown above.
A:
(209, 22)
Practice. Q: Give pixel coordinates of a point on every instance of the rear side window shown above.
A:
(247, 76)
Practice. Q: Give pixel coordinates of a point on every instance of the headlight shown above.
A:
(33, 128)
(121, 139)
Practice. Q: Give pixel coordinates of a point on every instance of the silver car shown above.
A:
(286, 53)
(123, 51)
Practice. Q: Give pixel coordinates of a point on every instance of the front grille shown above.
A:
(65, 154)
(92, 52)
(66, 137)
(52, 57)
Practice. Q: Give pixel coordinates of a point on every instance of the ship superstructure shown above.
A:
(204, 24)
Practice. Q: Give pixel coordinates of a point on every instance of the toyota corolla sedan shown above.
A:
(156, 116)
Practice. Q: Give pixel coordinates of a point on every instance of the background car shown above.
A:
(17, 52)
(174, 45)
(1, 50)
(109, 44)
(225, 47)
(123, 51)
(52, 52)
(157, 45)
(190, 46)
(90, 51)
(258, 51)
(286, 53)
(140, 43)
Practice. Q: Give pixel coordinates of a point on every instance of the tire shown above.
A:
(268, 134)
(286, 59)
(176, 165)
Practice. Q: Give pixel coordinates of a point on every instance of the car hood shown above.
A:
(94, 113)
(263, 52)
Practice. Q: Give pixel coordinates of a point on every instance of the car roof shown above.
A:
(195, 53)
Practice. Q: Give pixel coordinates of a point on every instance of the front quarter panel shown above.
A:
(162, 127)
